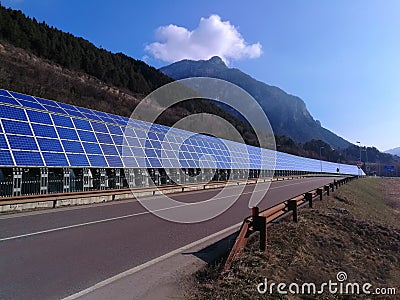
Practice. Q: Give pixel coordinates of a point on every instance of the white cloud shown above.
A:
(212, 37)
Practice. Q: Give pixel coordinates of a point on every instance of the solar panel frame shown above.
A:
(15, 127)
(3, 142)
(46, 144)
(5, 158)
(8, 100)
(62, 121)
(22, 96)
(53, 159)
(27, 158)
(44, 130)
(39, 117)
(67, 133)
(5, 93)
(14, 113)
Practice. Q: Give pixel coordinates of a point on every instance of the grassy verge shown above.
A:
(356, 230)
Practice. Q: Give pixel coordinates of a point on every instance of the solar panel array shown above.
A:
(37, 132)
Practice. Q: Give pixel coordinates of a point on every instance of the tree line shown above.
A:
(78, 54)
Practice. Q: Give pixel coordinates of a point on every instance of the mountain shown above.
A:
(395, 151)
(287, 114)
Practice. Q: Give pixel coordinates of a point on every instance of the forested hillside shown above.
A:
(78, 54)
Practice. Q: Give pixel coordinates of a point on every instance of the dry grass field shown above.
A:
(356, 230)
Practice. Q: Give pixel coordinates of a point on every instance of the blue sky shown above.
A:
(341, 57)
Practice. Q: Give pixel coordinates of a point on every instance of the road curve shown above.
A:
(55, 253)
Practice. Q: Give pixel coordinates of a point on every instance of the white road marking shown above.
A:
(150, 263)
(131, 215)
(125, 201)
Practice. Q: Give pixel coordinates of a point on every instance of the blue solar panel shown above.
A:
(104, 138)
(55, 159)
(156, 144)
(118, 139)
(114, 161)
(152, 135)
(47, 102)
(4, 93)
(67, 133)
(8, 100)
(132, 141)
(39, 117)
(99, 127)
(92, 148)
(121, 122)
(184, 163)
(62, 121)
(3, 143)
(31, 104)
(22, 142)
(82, 124)
(107, 120)
(154, 162)
(92, 117)
(130, 162)
(109, 149)
(49, 145)
(22, 96)
(28, 158)
(17, 127)
(191, 148)
(72, 146)
(141, 134)
(54, 109)
(97, 161)
(150, 152)
(124, 150)
(99, 113)
(83, 110)
(138, 152)
(67, 106)
(78, 160)
(15, 113)
(44, 130)
(114, 129)
(5, 158)
(87, 136)
(74, 113)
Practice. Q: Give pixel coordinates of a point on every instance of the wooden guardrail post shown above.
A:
(308, 197)
(319, 193)
(332, 187)
(326, 187)
(292, 205)
(260, 224)
(335, 183)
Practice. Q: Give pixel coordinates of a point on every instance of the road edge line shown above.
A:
(149, 263)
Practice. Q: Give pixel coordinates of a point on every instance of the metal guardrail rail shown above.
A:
(259, 221)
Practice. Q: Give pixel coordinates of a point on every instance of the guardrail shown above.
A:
(258, 221)
(18, 203)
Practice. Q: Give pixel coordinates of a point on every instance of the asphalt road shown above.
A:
(55, 253)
